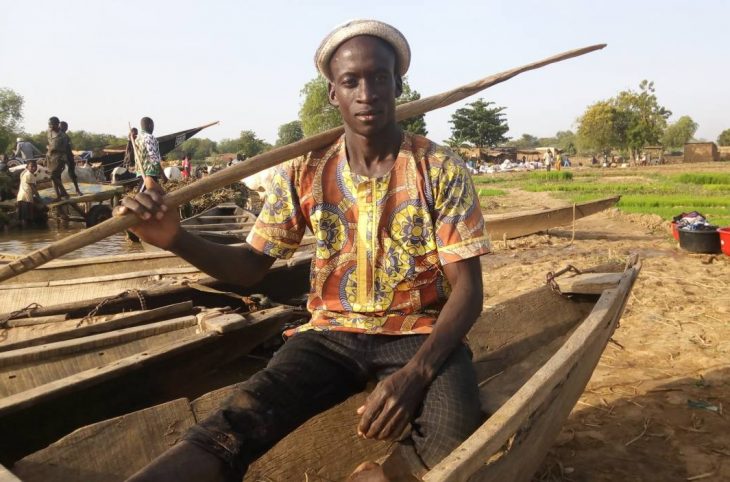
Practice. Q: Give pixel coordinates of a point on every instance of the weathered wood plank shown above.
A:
(113, 449)
(589, 283)
(117, 323)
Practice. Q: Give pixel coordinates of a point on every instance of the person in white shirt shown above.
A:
(27, 194)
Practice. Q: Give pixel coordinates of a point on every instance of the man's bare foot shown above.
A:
(368, 472)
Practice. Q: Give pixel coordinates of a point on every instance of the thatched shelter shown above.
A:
(700, 152)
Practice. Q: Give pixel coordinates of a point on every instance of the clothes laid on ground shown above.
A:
(314, 371)
(381, 243)
(147, 155)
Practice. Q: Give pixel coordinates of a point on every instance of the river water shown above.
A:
(23, 242)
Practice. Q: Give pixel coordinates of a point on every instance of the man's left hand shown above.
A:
(392, 405)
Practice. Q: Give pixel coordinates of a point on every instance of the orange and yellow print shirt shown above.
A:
(381, 242)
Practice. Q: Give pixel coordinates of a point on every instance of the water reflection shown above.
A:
(23, 242)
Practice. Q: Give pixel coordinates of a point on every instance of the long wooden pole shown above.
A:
(264, 161)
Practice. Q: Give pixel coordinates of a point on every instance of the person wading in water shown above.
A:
(398, 284)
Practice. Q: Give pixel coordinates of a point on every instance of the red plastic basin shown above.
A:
(724, 240)
(675, 233)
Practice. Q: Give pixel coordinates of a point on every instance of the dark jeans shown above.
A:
(314, 371)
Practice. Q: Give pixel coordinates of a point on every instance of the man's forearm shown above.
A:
(454, 322)
(234, 264)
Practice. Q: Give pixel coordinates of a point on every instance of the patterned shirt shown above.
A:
(147, 155)
(380, 242)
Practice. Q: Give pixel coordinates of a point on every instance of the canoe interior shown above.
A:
(510, 342)
(43, 350)
(285, 280)
(58, 387)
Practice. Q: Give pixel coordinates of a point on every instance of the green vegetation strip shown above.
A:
(647, 193)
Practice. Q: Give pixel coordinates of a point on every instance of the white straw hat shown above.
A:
(354, 28)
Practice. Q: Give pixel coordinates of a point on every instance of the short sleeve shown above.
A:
(280, 226)
(458, 221)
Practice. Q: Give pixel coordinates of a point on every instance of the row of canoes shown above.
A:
(94, 388)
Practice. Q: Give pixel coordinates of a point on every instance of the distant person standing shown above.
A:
(185, 167)
(28, 194)
(549, 160)
(148, 160)
(26, 150)
(56, 155)
(70, 161)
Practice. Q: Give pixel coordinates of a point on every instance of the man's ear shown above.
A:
(331, 95)
(398, 86)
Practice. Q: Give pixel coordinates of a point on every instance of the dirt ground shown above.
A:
(655, 408)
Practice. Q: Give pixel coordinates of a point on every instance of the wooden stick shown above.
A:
(264, 161)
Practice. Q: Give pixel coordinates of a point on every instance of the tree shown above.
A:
(479, 125)
(417, 124)
(11, 115)
(724, 138)
(197, 148)
(628, 122)
(527, 141)
(247, 144)
(641, 120)
(317, 114)
(681, 132)
(596, 127)
(290, 132)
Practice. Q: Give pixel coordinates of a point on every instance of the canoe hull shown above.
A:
(541, 345)
(515, 225)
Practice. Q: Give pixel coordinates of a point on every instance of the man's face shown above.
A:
(32, 167)
(53, 126)
(364, 85)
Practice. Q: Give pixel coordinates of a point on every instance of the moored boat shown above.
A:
(226, 223)
(534, 355)
(515, 225)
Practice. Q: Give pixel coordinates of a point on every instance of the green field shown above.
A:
(648, 192)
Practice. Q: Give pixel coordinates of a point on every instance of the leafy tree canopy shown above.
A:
(679, 133)
(629, 121)
(290, 132)
(597, 127)
(11, 115)
(317, 114)
(247, 144)
(415, 125)
(479, 124)
(527, 141)
(197, 148)
(724, 138)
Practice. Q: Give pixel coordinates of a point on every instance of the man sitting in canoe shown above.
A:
(396, 281)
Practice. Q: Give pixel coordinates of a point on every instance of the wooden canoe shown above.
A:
(225, 223)
(61, 369)
(534, 355)
(514, 225)
(64, 282)
(286, 280)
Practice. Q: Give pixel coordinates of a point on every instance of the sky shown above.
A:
(102, 64)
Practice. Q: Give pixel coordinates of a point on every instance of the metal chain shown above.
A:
(551, 276)
(27, 310)
(95, 310)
